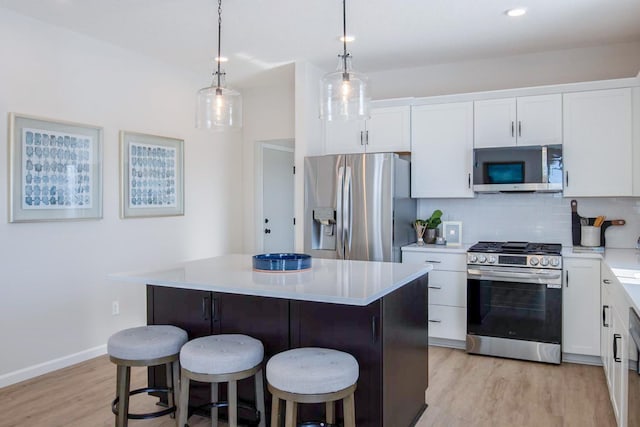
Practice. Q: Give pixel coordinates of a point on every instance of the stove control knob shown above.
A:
(533, 261)
(492, 259)
(473, 258)
(555, 262)
(482, 259)
(544, 261)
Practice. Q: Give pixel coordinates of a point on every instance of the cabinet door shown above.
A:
(605, 331)
(494, 123)
(598, 143)
(539, 120)
(581, 307)
(619, 366)
(388, 130)
(344, 137)
(442, 150)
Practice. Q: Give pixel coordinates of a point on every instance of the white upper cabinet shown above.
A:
(442, 150)
(598, 143)
(388, 130)
(527, 120)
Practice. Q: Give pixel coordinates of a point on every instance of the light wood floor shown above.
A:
(463, 390)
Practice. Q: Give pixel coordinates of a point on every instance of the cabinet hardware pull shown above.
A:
(604, 316)
(205, 308)
(214, 309)
(366, 139)
(435, 287)
(566, 275)
(374, 329)
(567, 178)
(435, 321)
(432, 261)
(513, 132)
(606, 281)
(361, 138)
(519, 128)
(469, 180)
(615, 347)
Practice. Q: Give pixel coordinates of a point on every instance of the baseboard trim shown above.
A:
(445, 342)
(50, 366)
(581, 359)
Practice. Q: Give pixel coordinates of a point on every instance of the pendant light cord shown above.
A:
(219, 59)
(344, 38)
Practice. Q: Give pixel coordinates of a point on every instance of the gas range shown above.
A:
(516, 254)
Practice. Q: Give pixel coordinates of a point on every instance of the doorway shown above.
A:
(276, 231)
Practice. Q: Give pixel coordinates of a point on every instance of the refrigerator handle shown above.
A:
(340, 213)
(348, 204)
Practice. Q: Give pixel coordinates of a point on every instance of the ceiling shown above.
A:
(262, 34)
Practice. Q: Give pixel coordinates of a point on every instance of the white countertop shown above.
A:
(328, 280)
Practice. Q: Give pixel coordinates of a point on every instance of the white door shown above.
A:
(277, 199)
(495, 123)
(388, 130)
(539, 120)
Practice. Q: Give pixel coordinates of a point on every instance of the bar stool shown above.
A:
(222, 358)
(144, 346)
(312, 375)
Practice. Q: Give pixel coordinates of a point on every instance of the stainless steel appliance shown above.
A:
(633, 391)
(358, 206)
(518, 169)
(514, 300)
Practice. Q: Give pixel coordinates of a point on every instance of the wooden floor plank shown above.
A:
(464, 390)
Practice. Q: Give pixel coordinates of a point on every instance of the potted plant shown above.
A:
(432, 224)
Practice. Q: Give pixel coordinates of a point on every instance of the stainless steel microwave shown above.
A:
(518, 169)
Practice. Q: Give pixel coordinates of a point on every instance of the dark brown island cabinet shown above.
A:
(387, 337)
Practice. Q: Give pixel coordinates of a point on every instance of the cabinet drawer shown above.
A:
(447, 322)
(448, 288)
(439, 260)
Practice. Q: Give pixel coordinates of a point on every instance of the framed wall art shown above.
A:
(151, 175)
(452, 232)
(55, 170)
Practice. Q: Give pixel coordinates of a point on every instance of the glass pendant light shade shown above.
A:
(218, 108)
(344, 94)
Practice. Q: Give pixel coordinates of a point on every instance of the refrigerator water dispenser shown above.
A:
(324, 229)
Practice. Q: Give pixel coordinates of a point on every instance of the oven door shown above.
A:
(515, 303)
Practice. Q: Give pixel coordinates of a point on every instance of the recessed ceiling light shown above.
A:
(348, 39)
(221, 59)
(518, 11)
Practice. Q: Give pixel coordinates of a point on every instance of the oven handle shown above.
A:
(542, 278)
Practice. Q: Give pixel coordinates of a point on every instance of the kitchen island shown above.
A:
(373, 310)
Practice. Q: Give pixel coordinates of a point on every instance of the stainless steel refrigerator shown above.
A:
(358, 206)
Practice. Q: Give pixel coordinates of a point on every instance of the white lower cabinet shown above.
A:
(447, 291)
(614, 341)
(581, 306)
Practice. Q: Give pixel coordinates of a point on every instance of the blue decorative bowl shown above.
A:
(281, 262)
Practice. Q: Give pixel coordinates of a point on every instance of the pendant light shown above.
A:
(219, 107)
(344, 93)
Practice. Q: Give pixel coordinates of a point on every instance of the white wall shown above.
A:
(553, 67)
(534, 217)
(268, 105)
(55, 299)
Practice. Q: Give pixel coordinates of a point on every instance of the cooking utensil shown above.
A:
(599, 220)
(575, 223)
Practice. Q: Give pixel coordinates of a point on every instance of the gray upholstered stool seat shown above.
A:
(145, 346)
(312, 375)
(222, 358)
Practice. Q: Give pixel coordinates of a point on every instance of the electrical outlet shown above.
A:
(115, 308)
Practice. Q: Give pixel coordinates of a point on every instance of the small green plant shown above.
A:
(434, 221)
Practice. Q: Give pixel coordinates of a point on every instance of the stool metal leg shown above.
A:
(170, 385)
(233, 403)
(260, 398)
(290, 417)
(183, 409)
(124, 377)
(348, 403)
(275, 411)
(330, 413)
(214, 409)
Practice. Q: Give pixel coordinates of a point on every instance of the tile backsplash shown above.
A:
(535, 217)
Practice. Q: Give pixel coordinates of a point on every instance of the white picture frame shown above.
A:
(151, 175)
(55, 170)
(452, 232)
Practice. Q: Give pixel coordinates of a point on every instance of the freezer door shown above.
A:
(368, 205)
(323, 222)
